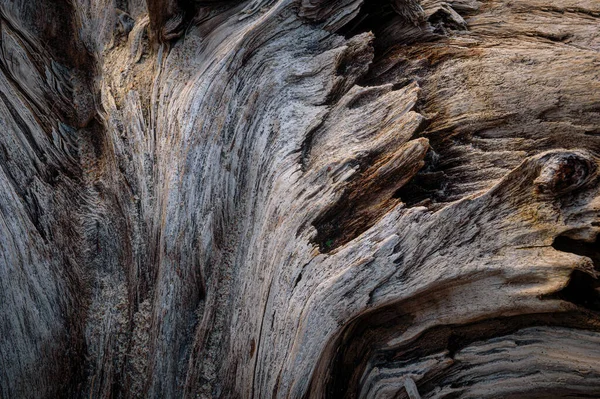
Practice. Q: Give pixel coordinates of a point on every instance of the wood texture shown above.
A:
(299, 199)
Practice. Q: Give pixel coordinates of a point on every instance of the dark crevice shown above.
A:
(357, 344)
(361, 345)
(170, 18)
(427, 187)
(582, 289)
(443, 21)
(332, 232)
(397, 24)
(592, 132)
(373, 15)
(578, 247)
(298, 279)
(408, 50)
(391, 27)
(402, 84)
(395, 28)
(365, 200)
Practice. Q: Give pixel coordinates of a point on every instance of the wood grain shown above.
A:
(299, 199)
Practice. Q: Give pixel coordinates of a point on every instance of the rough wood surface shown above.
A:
(299, 198)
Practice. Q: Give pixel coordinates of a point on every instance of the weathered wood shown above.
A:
(299, 198)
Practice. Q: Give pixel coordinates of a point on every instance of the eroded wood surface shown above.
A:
(299, 198)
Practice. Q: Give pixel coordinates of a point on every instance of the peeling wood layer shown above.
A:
(299, 199)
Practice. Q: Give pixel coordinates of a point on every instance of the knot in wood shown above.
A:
(564, 172)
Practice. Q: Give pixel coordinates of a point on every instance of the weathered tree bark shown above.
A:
(299, 198)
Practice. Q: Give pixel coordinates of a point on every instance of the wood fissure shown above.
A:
(299, 199)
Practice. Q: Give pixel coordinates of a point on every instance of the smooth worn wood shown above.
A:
(299, 199)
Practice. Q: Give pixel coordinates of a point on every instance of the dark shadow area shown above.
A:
(361, 345)
(583, 289)
(427, 187)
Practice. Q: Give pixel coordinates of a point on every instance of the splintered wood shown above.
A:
(299, 199)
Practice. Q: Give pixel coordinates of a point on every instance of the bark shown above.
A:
(299, 198)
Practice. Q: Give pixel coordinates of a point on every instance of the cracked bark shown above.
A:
(299, 198)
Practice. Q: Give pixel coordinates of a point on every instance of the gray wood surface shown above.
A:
(299, 199)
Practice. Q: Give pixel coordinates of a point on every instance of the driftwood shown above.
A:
(299, 198)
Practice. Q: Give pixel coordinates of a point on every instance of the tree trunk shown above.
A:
(299, 198)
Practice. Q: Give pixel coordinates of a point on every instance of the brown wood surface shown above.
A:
(299, 199)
